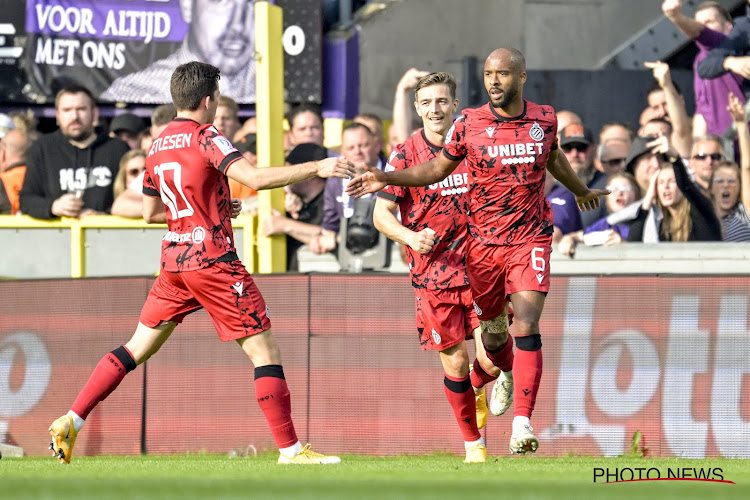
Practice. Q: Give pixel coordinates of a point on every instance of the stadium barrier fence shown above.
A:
(663, 355)
(95, 246)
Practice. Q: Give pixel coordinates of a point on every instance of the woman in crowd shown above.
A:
(726, 186)
(673, 208)
(128, 198)
(730, 184)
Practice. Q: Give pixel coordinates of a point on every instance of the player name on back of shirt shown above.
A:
(166, 142)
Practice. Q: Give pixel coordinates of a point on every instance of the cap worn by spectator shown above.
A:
(128, 122)
(575, 133)
(248, 144)
(637, 149)
(302, 153)
(6, 124)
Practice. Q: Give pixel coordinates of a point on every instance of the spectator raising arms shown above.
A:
(673, 208)
(730, 184)
(708, 28)
(665, 97)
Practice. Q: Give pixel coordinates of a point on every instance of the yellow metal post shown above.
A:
(269, 106)
(249, 253)
(77, 253)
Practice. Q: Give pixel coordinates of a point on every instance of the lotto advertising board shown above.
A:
(126, 50)
(666, 358)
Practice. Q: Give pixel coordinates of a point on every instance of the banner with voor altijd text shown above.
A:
(126, 50)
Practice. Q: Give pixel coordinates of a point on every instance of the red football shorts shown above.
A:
(225, 289)
(444, 317)
(496, 272)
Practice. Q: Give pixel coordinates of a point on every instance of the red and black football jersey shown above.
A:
(441, 207)
(185, 166)
(507, 160)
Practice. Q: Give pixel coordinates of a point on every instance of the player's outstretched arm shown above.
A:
(423, 174)
(153, 210)
(558, 166)
(384, 217)
(268, 178)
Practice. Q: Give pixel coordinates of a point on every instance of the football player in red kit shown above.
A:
(185, 185)
(434, 230)
(508, 145)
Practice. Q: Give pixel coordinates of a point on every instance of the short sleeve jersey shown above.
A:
(441, 207)
(507, 160)
(185, 166)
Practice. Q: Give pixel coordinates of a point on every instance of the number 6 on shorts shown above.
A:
(537, 259)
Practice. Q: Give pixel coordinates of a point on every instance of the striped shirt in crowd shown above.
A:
(736, 224)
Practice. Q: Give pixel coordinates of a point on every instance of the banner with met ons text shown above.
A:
(126, 50)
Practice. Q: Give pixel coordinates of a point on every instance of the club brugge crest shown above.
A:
(436, 337)
(536, 132)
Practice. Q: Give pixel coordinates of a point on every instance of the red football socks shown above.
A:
(461, 398)
(502, 357)
(527, 372)
(479, 377)
(105, 378)
(274, 399)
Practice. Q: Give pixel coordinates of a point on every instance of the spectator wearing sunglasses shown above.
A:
(611, 156)
(128, 202)
(578, 146)
(730, 184)
(132, 164)
(706, 154)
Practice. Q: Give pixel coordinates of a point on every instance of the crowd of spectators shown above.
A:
(671, 178)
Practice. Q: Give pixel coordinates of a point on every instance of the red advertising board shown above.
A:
(666, 356)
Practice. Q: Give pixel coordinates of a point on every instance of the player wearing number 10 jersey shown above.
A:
(508, 145)
(186, 186)
(186, 167)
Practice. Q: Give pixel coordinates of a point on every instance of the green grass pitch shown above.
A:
(408, 477)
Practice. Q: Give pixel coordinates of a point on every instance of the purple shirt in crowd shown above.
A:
(566, 214)
(712, 95)
(602, 225)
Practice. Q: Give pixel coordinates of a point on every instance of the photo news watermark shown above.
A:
(611, 475)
